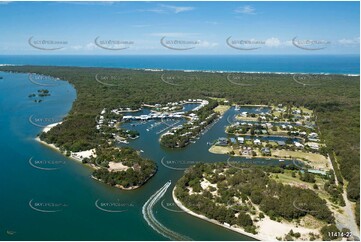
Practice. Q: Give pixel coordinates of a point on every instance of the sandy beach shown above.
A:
(239, 230)
(117, 166)
(77, 156)
(268, 230)
(50, 126)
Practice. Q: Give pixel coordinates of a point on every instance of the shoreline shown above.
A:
(268, 230)
(117, 186)
(203, 71)
(52, 146)
(238, 230)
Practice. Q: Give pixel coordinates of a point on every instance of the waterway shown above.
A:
(66, 203)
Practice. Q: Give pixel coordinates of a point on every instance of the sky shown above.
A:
(138, 28)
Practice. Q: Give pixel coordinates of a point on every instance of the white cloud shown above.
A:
(152, 10)
(273, 42)
(177, 9)
(349, 41)
(288, 43)
(102, 3)
(207, 44)
(173, 34)
(163, 8)
(245, 10)
(89, 46)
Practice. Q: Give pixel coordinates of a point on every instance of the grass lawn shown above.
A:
(220, 149)
(315, 160)
(286, 178)
(306, 110)
(221, 109)
(219, 99)
(241, 118)
(278, 132)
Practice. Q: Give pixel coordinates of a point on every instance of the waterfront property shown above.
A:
(287, 138)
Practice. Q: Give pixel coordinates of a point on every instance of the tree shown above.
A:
(244, 220)
(330, 232)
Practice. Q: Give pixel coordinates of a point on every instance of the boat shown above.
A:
(123, 141)
(281, 160)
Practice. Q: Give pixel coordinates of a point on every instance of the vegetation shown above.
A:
(335, 103)
(41, 93)
(238, 189)
(138, 172)
(330, 232)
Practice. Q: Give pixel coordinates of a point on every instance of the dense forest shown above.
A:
(335, 101)
(138, 172)
(253, 186)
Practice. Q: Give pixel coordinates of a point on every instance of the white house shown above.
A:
(256, 142)
(313, 146)
(313, 136)
(240, 140)
(298, 145)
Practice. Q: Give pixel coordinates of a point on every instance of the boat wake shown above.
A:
(148, 215)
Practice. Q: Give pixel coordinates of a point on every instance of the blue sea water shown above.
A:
(335, 64)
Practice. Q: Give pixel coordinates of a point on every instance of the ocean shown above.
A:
(325, 64)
